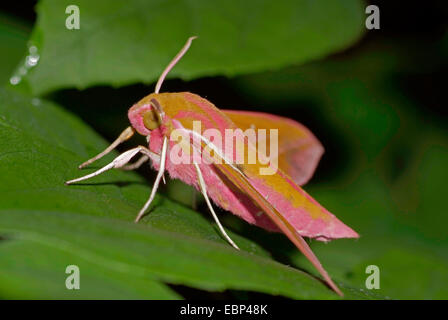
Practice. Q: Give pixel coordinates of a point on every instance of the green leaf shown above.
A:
(126, 42)
(13, 37)
(34, 267)
(46, 226)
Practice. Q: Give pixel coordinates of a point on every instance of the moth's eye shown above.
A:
(151, 120)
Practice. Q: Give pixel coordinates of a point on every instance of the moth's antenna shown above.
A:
(173, 63)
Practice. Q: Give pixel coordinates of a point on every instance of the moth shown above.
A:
(264, 190)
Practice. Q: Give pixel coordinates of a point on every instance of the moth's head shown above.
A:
(146, 115)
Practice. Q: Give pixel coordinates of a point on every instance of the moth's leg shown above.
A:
(158, 178)
(125, 135)
(207, 200)
(118, 162)
(137, 164)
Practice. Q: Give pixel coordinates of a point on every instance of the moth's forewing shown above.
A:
(304, 213)
(299, 151)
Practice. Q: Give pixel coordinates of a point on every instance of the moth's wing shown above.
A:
(305, 214)
(299, 151)
(241, 182)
